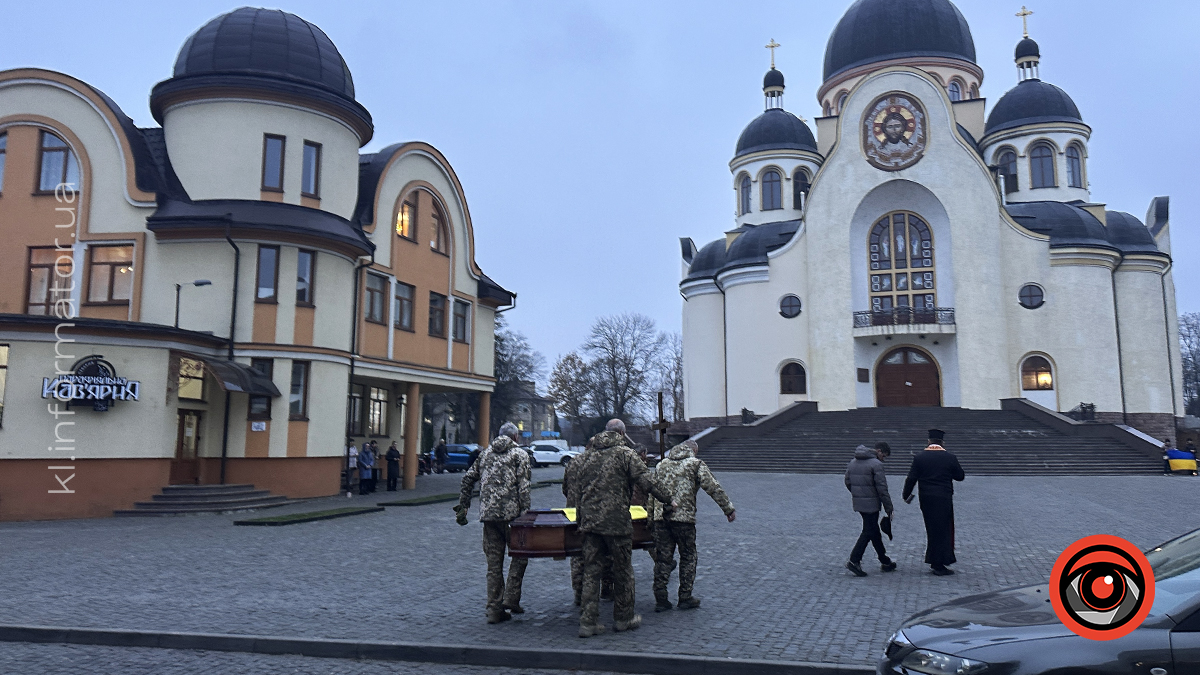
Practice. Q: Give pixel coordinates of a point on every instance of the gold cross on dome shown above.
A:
(772, 45)
(1024, 14)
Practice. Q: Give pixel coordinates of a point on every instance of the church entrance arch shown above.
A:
(907, 377)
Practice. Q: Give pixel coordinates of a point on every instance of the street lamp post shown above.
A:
(179, 287)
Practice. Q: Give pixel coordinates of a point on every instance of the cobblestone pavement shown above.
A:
(40, 659)
(772, 583)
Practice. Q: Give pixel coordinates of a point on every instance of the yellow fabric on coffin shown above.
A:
(635, 513)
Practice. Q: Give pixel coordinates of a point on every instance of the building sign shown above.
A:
(93, 382)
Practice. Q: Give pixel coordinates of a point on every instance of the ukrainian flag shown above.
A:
(1181, 460)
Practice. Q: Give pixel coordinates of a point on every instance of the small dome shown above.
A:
(1128, 233)
(264, 51)
(878, 30)
(708, 261)
(773, 78)
(1032, 102)
(752, 247)
(1067, 224)
(1027, 48)
(775, 129)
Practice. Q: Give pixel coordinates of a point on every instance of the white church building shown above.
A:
(922, 250)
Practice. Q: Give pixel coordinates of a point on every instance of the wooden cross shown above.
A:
(662, 425)
(772, 45)
(1024, 14)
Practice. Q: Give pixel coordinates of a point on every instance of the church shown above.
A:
(926, 249)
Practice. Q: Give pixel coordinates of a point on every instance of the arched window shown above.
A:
(57, 165)
(744, 196)
(974, 91)
(800, 185)
(828, 109)
(441, 237)
(772, 196)
(842, 102)
(1006, 165)
(406, 217)
(955, 90)
(792, 379)
(1041, 166)
(1036, 374)
(1074, 166)
(902, 242)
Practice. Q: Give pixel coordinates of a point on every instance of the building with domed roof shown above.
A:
(921, 250)
(230, 297)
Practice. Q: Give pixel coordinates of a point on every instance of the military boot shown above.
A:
(631, 624)
(498, 616)
(586, 631)
(689, 602)
(513, 607)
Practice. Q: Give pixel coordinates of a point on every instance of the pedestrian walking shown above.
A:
(503, 475)
(935, 470)
(439, 456)
(606, 477)
(869, 491)
(366, 470)
(682, 475)
(393, 466)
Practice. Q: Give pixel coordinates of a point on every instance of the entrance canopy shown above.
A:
(234, 376)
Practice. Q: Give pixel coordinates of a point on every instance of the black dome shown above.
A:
(1128, 233)
(773, 78)
(708, 261)
(775, 129)
(266, 42)
(1067, 224)
(1027, 47)
(877, 30)
(1032, 102)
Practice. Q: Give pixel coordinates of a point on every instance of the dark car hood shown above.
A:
(1012, 615)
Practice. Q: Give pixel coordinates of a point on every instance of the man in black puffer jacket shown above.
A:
(868, 487)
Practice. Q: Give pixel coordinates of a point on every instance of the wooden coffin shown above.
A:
(552, 533)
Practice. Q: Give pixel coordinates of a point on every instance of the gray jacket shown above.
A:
(866, 482)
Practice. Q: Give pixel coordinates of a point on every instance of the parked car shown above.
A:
(545, 454)
(1016, 632)
(460, 456)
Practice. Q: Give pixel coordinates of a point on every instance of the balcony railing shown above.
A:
(904, 316)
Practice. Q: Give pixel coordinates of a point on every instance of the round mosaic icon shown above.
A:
(894, 132)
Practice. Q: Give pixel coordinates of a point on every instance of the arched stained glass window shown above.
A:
(744, 196)
(902, 242)
(1041, 166)
(792, 379)
(1006, 165)
(1074, 166)
(800, 185)
(1036, 374)
(772, 197)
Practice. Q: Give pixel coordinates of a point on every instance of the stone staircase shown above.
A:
(1022, 440)
(183, 499)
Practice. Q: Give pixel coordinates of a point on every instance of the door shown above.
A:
(907, 377)
(185, 468)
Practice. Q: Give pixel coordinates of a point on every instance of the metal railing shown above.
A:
(904, 316)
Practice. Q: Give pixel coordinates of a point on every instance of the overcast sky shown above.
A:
(590, 136)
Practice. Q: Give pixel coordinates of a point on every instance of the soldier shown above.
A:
(504, 473)
(606, 476)
(682, 474)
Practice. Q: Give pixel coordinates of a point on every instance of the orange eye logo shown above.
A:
(1102, 587)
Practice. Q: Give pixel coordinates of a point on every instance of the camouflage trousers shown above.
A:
(495, 540)
(667, 535)
(606, 580)
(620, 551)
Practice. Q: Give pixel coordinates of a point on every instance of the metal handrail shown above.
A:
(904, 316)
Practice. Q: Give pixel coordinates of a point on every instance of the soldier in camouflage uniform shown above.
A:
(504, 473)
(681, 474)
(606, 476)
(570, 490)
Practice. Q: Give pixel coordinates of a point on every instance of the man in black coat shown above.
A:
(935, 470)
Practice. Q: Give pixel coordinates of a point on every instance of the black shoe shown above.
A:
(888, 567)
(942, 570)
(689, 603)
(663, 605)
(855, 568)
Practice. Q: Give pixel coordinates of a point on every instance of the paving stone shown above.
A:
(773, 582)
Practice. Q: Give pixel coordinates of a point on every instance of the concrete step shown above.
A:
(179, 511)
(183, 499)
(200, 496)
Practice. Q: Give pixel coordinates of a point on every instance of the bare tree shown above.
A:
(516, 362)
(670, 375)
(624, 351)
(1189, 347)
(571, 386)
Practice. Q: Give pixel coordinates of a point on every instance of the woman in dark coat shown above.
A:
(935, 471)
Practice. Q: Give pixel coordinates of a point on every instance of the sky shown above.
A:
(591, 135)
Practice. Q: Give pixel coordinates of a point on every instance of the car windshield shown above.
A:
(1176, 566)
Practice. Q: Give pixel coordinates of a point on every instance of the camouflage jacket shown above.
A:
(682, 474)
(570, 484)
(504, 475)
(605, 476)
